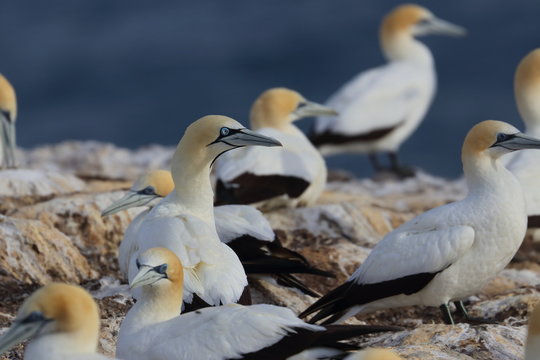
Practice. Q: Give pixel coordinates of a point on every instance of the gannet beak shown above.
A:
(517, 141)
(131, 199)
(310, 108)
(7, 129)
(436, 26)
(245, 137)
(22, 330)
(148, 275)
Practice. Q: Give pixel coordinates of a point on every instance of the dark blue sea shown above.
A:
(138, 72)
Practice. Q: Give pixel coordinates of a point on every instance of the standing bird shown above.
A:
(532, 346)
(449, 252)
(62, 322)
(152, 328)
(8, 115)
(380, 108)
(184, 220)
(242, 227)
(526, 164)
(294, 175)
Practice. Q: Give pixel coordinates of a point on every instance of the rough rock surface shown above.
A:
(55, 231)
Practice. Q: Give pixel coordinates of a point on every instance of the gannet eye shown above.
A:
(138, 264)
(422, 22)
(301, 105)
(224, 131)
(149, 190)
(503, 137)
(161, 269)
(34, 316)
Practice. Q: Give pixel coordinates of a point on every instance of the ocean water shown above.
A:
(138, 72)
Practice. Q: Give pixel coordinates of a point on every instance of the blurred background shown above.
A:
(138, 72)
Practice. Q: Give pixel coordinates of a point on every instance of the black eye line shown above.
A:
(231, 132)
(138, 264)
(501, 137)
(149, 190)
(34, 316)
(301, 105)
(161, 269)
(7, 115)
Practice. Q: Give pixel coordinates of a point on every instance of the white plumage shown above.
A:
(449, 252)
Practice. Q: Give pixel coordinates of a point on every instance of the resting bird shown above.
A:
(8, 115)
(294, 175)
(184, 220)
(62, 322)
(381, 107)
(525, 165)
(152, 328)
(242, 227)
(449, 252)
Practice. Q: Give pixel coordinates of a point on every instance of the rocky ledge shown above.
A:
(51, 229)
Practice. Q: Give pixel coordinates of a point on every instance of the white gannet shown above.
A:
(184, 220)
(62, 322)
(525, 165)
(242, 227)
(532, 346)
(449, 252)
(293, 175)
(153, 329)
(8, 115)
(380, 108)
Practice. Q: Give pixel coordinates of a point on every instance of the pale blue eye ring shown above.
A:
(224, 131)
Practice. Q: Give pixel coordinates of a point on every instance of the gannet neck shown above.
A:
(527, 91)
(402, 46)
(56, 345)
(484, 174)
(191, 175)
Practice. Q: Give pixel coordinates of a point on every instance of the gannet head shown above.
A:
(158, 267)
(495, 138)
(56, 309)
(278, 107)
(527, 89)
(211, 136)
(410, 20)
(532, 346)
(149, 187)
(374, 354)
(8, 99)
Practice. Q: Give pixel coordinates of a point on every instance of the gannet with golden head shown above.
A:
(294, 175)
(152, 328)
(525, 165)
(184, 220)
(449, 252)
(380, 108)
(62, 322)
(242, 227)
(532, 346)
(8, 115)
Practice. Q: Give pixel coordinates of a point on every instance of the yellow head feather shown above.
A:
(160, 180)
(401, 20)
(71, 307)
(527, 88)
(273, 108)
(483, 135)
(8, 99)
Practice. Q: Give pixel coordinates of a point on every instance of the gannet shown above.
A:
(381, 107)
(449, 252)
(242, 227)
(291, 176)
(152, 328)
(532, 346)
(525, 165)
(184, 220)
(62, 322)
(8, 115)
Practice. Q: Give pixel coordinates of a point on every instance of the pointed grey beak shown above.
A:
(246, 137)
(22, 330)
(518, 141)
(131, 199)
(310, 108)
(436, 26)
(147, 275)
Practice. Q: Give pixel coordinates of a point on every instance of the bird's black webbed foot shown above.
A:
(472, 319)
